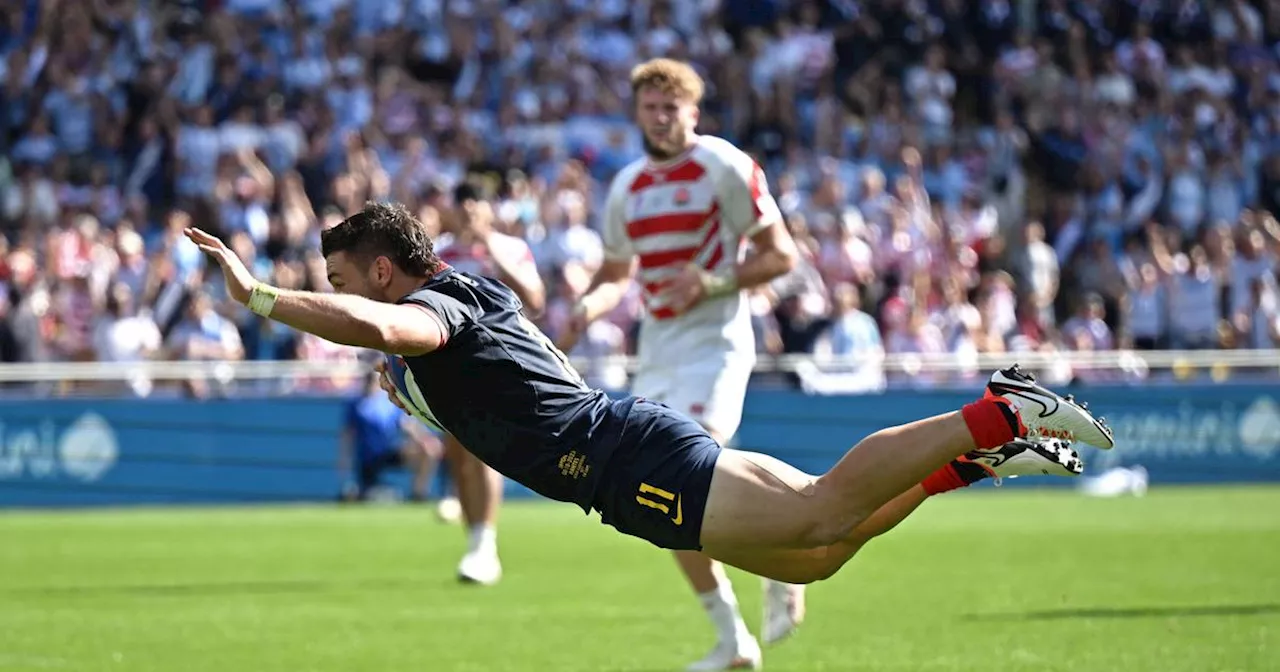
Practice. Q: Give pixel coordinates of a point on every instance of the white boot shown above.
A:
(740, 653)
(736, 648)
(480, 564)
(783, 610)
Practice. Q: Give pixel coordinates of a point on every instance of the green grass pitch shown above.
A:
(1184, 579)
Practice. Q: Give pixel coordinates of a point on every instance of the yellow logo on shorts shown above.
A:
(573, 465)
(646, 489)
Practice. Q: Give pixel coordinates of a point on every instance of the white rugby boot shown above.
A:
(1044, 414)
(1027, 457)
(740, 653)
(784, 610)
(481, 565)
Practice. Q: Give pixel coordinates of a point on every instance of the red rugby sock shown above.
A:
(953, 476)
(942, 480)
(992, 423)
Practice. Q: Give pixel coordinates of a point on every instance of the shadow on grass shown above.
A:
(223, 588)
(1132, 612)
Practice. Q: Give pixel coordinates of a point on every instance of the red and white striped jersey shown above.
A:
(698, 208)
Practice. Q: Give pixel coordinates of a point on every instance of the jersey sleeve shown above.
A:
(616, 242)
(522, 254)
(452, 315)
(744, 195)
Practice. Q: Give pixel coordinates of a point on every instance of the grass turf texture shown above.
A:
(1184, 579)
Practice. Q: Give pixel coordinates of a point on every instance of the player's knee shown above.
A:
(800, 577)
(800, 573)
(815, 574)
(823, 564)
(834, 559)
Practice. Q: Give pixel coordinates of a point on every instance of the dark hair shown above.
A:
(465, 192)
(384, 230)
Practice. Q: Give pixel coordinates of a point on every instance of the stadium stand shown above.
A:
(965, 178)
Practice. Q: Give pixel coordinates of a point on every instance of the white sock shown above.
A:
(722, 608)
(482, 536)
(770, 586)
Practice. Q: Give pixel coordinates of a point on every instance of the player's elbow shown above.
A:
(409, 342)
(535, 301)
(409, 331)
(786, 257)
(778, 249)
(790, 259)
(399, 344)
(615, 272)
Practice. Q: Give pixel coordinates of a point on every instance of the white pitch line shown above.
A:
(17, 662)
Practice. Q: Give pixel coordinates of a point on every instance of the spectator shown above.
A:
(852, 332)
(1088, 330)
(921, 152)
(378, 437)
(1147, 310)
(1195, 301)
(123, 334)
(204, 334)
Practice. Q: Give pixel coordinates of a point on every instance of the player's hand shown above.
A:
(240, 282)
(686, 290)
(387, 386)
(911, 158)
(574, 329)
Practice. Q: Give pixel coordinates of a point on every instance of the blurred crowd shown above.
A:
(962, 176)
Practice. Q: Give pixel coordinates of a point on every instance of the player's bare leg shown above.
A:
(449, 508)
(813, 564)
(418, 466)
(422, 463)
(736, 647)
(421, 453)
(757, 502)
(1046, 457)
(480, 494)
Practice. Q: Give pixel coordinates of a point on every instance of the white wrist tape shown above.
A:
(720, 284)
(263, 299)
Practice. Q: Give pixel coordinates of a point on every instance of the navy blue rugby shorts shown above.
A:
(656, 482)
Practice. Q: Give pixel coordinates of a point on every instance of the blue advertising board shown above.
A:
(1180, 434)
(57, 452)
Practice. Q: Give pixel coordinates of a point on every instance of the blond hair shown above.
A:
(669, 76)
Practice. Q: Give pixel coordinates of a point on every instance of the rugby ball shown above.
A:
(401, 377)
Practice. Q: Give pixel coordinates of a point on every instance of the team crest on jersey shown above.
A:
(681, 196)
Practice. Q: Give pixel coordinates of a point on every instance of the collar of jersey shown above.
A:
(677, 159)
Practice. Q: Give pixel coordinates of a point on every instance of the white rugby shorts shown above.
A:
(709, 389)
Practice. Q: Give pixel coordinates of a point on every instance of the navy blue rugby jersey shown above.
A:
(500, 386)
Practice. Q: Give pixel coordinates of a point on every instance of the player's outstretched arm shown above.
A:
(398, 329)
(608, 286)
